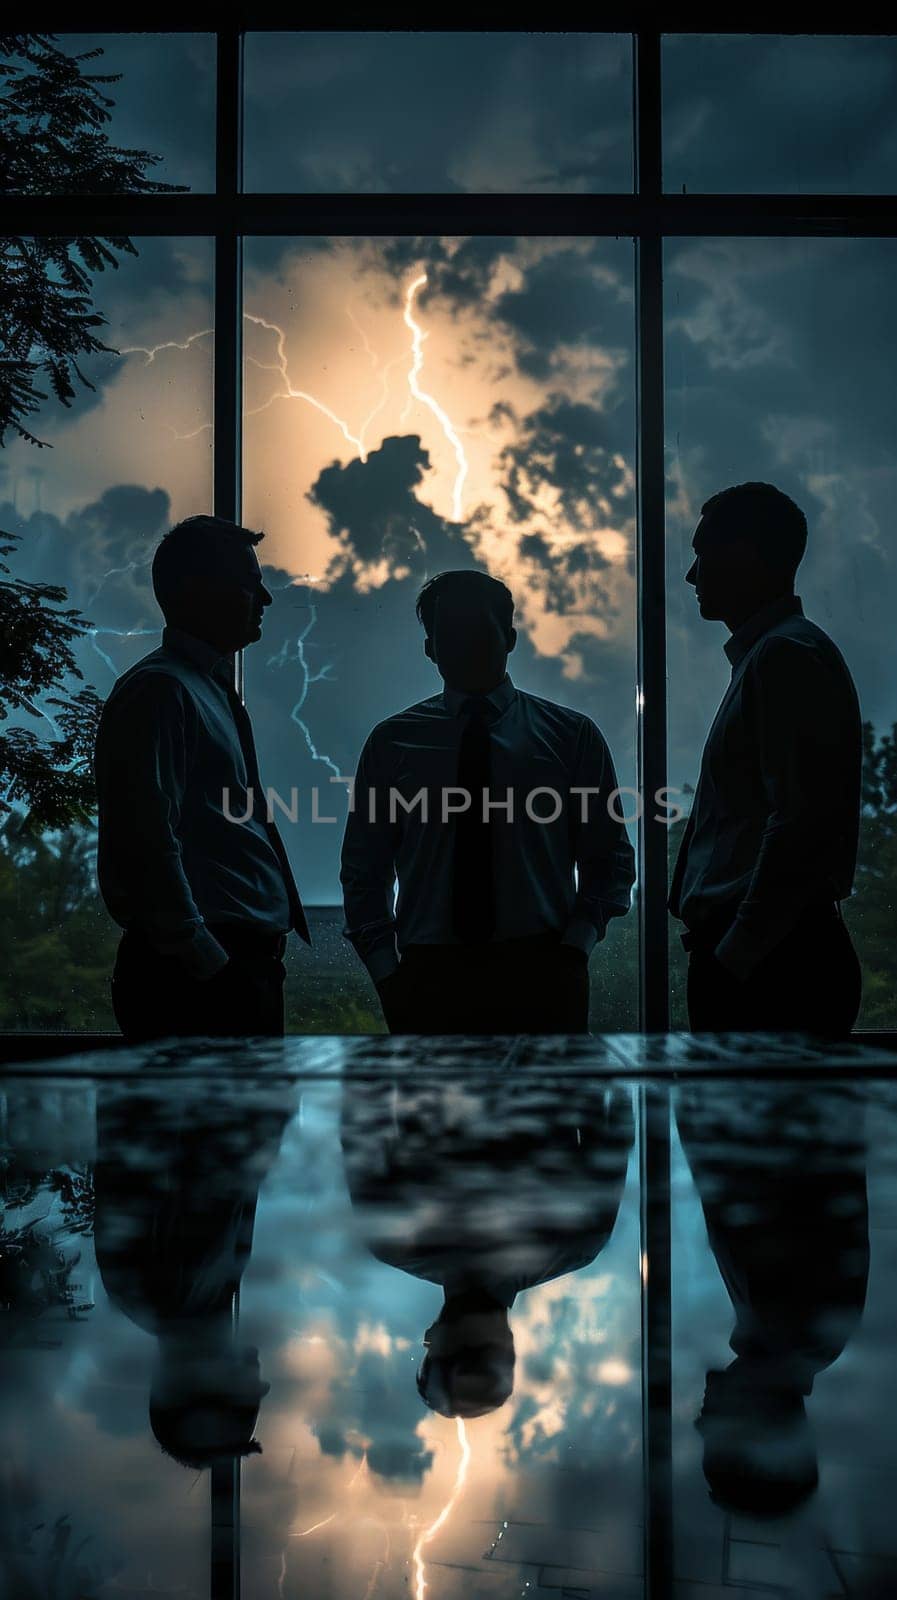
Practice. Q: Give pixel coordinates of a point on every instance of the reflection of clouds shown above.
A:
(342, 1351)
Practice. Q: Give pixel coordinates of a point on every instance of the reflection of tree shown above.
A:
(40, 1557)
(35, 1277)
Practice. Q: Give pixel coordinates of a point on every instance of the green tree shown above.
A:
(53, 140)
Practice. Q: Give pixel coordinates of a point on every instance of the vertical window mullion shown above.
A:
(650, 536)
(227, 431)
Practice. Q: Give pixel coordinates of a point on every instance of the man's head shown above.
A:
(204, 1405)
(468, 618)
(468, 1370)
(748, 546)
(207, 580)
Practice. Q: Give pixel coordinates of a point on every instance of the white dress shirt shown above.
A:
(169, 768)
(535, 744)
(775, 818)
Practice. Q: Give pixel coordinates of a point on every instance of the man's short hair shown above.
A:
(482, 589)
(765, 517)
(194, 548)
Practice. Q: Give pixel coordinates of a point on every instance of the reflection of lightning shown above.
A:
(420, 1582)
(417, 342)
(324, 1522)
(308, 678)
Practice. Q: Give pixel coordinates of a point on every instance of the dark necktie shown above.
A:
(260, 808)
(473, 894)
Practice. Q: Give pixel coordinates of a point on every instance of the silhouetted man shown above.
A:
(770, 848)
(496, 812)
(487, 1189)
(782, 1180)
(177, 1180)
(190, 864)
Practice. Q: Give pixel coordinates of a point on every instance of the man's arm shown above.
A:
(605, 859)
(799, 741)
(368, 868)
(141, 774)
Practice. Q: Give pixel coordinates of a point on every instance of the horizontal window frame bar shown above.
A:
(357, 20)
(276, 215)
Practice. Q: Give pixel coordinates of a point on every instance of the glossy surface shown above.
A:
(328, 1246)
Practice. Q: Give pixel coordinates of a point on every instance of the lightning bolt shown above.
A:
(116, 633)
(290, 393)
(420, 1582)
(417, 361)
(169, 344)
(115, 572)
(308, 677)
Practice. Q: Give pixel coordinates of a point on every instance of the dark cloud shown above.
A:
(373, 511)
(437, 112)
(776, 114)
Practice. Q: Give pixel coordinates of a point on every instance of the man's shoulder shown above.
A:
(158, 674)
(551, 712)
(399, 723)
(797, 640)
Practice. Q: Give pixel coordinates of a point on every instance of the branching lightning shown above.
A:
(290, 392)
(420, 1582)
(297, 394)
(417, 361)
(297, 654)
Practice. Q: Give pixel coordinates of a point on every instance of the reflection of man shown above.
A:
(486, 1191)
(176, 1190)
(189, 863)
(782, 1181)
(491, 808)
(770, 847)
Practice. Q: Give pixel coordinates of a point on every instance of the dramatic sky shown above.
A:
(417, 404)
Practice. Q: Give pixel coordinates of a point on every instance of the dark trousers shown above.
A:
(810, 983)
(153, 997)
(512, 986)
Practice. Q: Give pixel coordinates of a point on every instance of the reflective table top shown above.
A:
(436, 1318)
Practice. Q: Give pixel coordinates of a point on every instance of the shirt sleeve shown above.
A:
(141, 773)
(800, 745)
(368, 865)
(605, 859)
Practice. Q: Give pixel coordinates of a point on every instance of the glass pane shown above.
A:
(246, 1283)
(163, 104)
(779, 368)
(129, 457)
(438, 113)
(783, 1300)
(507, 442)
(777, 114)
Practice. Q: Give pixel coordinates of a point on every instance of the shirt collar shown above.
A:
(736, 648)
(201, 654)
(498, 698)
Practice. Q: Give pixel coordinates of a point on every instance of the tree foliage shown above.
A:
(53, 141)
